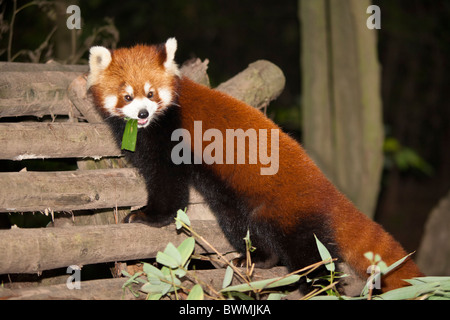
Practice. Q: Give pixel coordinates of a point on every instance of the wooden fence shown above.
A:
(45, 113)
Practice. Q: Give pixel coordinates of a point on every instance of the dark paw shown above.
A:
(142, 217)
(263, 264)
(239, 262)
(133, 217)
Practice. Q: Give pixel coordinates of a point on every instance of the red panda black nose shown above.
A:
(143, 114)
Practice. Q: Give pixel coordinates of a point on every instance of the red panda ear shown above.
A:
(170, 64)
(99, 60)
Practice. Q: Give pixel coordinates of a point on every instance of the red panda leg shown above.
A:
(269, 261)
(164, 200)
(167, 189)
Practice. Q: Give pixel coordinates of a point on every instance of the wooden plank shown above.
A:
(35, 140)
(111, 289)
(71, 190)
(35, 250)
(101, 289)
(36, 89)
(81, 190)
(259, 84)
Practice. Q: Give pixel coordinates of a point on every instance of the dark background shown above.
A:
(414, 43)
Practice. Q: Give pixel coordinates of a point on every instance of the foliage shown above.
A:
(422, 288)
(130, 135)
(80, 42)
(405, 158)
(167, 281)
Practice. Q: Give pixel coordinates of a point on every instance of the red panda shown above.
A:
(282, 211)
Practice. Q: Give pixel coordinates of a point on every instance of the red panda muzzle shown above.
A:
(143, 114)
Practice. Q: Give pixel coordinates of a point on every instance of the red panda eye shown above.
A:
(128, 98)
(150, 95)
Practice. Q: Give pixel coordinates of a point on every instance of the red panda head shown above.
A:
(137, 83)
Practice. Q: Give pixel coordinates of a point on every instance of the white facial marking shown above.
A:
(133, 109)
(166, 96)
(110, 103)
(129, 90)
(147, 87)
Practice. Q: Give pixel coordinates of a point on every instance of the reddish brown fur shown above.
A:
(300, 186)
(297, 191)
(230, 113)
(357, 234)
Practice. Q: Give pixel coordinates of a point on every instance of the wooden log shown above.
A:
(82, 100)
(259, 84)
(35, 250)
(111, 289)
(77, 190)
(41, 89)
(101, 289)
(71, 190)
(34, 140)
(36, 89)
(196, 70)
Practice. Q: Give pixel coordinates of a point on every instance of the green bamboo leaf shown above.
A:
(228, 277)
(173, 252)
(185, 249)
(154, 296)
(241, 296)
(395, 264)
(174, 281)
(248, 242)
(161, 288)
(130, 135)
(369, 255)
(324, 254)
(331, 298)
(196, 293)
(263, 284)
(179, 272)
(383, 271)
(410, 292)
(275, 296)
(153, 271)
(182, 216)
(166, 260)
(377, 258)
(132, 278)
(419, 280)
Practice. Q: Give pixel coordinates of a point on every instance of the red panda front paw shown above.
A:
(239, 262)
(267, 263)
(145, 218)
(137, 216)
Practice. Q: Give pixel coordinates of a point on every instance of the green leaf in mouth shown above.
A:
(130, 135)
